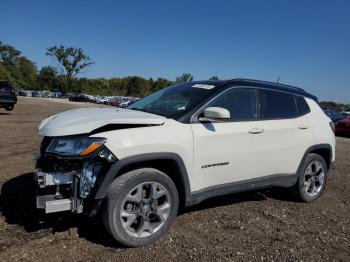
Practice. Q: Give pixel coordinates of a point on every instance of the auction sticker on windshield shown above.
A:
(203, 86)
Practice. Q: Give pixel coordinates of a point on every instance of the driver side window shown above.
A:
(241, 103)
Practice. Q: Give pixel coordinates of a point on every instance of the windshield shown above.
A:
(174, 100)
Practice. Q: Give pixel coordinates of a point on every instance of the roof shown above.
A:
(259, 83)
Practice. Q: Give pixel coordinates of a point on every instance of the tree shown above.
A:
(4, 74)
(71, 60)
(26, 67)
(186, 77)
(8, 54)
(47, 78)
(214, 78)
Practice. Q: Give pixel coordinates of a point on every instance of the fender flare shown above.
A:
(313, 148)
(107, 179)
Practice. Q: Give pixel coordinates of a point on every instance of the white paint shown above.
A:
(85, 120)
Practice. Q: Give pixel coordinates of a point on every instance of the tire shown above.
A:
(147, 227)
(9, 108)
(308, 189)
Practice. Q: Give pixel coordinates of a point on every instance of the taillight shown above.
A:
(332, 126)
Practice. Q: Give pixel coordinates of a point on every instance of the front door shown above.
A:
(234, 150)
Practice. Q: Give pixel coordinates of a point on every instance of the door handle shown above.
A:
(303, 126)
(256, 130)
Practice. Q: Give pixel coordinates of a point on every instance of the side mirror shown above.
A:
(215, 114)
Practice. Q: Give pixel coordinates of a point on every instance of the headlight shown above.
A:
(77, 146)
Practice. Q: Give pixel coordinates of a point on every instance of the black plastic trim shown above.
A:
(280, 180)
(317, 147)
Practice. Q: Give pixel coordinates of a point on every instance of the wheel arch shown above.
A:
(169, 163)
(324, 150)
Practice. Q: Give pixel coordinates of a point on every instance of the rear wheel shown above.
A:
(9, 108)
(312, 178)
(140, 207)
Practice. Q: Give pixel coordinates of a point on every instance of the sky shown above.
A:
(304, 43)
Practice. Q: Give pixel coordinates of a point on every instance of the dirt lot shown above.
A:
(262, 225)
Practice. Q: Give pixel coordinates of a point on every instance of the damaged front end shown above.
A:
(69, 170)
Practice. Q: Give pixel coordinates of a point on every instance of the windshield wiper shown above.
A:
(138, 109)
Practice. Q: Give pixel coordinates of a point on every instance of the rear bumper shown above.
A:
(8, 101)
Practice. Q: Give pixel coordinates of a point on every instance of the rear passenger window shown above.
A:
(277, 105)
(303, 107)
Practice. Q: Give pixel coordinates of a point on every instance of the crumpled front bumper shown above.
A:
(49, 191)
(70, 190)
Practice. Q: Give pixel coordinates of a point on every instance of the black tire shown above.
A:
(9, 108)
(299, 188)
(118, 190)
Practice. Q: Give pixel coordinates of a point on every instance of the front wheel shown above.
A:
(312, 178)
(9, 108)
(140, 207)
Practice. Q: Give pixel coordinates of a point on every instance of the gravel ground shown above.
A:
(260, 225)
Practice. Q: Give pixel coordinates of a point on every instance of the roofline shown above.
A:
(266, 82)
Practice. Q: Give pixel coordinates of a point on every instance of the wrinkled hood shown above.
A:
(85, 120)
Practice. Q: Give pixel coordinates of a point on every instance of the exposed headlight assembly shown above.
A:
(75, 146)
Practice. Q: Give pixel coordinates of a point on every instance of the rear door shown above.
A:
(287, 130)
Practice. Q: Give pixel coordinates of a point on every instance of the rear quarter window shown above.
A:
(277, 105)
(303, 107)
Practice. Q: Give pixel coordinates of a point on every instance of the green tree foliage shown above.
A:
(47, 78)
(186, 77)
(8, 54)
(4, 74)
(71, 60)
(214, 78)
(331, 104)
(14, 67)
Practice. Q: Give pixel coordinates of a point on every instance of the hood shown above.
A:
(85, 120)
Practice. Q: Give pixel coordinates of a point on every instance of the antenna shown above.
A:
(278, 79)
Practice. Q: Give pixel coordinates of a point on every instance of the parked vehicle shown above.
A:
(179, 146)
(334, 114)
(78, 98)
(22, 93)
(56, 94)
(8, 97)
(346, 112)
(342, 127)
(124, 102)
(115, 102)
(102, 100)
(35, 94)
(46, 94)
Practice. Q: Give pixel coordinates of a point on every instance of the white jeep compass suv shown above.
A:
(179, 146)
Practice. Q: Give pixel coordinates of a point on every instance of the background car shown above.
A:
(35, 94)
(22, 93)
(334, 114)
(8, 97)
(342, 127)
(346, 112)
